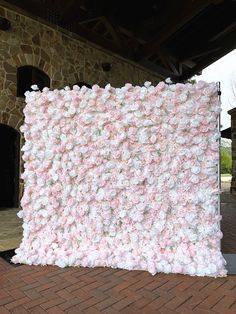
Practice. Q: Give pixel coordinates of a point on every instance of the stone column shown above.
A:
(232, 112)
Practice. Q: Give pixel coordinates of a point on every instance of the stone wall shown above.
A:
(233, 136)
(64, 58)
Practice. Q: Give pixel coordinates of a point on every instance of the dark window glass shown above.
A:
(80, 84)
(29, 75)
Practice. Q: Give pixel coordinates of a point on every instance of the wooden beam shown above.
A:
(169, 61)
(23, 5)
(98, 39)
(189, 63)
(180, 68)
(116, 45)
(204, 52)
(226, 45)
(161, 71)
(131, 35)
(114, 31)
(71, 11)
(210, 46)
(177, 18)
(225, 31)
(86, 20)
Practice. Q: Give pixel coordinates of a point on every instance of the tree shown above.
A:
(225, 161)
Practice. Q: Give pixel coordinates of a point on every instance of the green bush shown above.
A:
(225, 161)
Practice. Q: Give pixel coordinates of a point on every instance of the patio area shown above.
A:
(10, 229)
(49, 289)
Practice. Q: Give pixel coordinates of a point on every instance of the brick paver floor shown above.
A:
(49, 289)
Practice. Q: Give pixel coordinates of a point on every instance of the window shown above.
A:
(80, 84)
(29, 75)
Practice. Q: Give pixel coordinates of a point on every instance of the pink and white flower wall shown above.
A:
(122, 177)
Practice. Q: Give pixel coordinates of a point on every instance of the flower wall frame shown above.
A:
(123, 177)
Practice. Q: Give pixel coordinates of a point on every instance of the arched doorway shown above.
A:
(9, 167)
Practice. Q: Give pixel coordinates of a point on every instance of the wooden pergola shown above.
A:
(176, 39)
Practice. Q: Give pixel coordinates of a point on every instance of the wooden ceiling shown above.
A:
(176, 39)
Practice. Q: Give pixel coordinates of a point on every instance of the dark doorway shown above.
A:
(9, 167)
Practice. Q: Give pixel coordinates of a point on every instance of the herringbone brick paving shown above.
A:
(49, 289)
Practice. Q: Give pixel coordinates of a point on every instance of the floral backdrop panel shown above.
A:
(122, 177)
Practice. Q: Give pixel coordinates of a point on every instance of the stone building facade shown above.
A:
(232, 112)
(64, 57)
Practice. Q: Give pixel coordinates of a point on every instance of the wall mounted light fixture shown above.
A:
(106, 66)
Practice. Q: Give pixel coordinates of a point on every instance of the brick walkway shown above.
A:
(35, 289)
(49, 289)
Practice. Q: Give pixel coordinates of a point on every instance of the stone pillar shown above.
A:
(232, 112)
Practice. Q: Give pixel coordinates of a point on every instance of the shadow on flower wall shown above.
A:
(123, 177)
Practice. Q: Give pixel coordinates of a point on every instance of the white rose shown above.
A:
(134, 107)
(138, 114)
(151, 180)
(159, 102)
(197, 151)
(87, 118)
(195, 170)
(82, 104)
(136, 216)
(142, 136)
(73, 173)
(194, 123)
(51, 96)
(110, 165)
(20, 214)
(61, 263)
(134, 181)
(180, 140)
(147, 123)
(125, 155)
(93, 95)
(104, 152)
(183, 97)
(194, 179)
(122, 213)
(189, 217)
(170, 106)
(72, 110)
(100, 195)
(147, 84)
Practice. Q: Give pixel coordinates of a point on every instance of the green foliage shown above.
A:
(192, 81)
(225, 161)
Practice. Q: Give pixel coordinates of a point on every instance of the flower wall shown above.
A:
(122, 177)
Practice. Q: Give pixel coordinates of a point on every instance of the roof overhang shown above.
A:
(175, 39)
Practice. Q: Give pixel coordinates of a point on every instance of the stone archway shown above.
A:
(9, 166)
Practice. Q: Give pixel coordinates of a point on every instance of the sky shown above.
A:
(224, 71)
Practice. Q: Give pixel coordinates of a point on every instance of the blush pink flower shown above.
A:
(122, 177)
